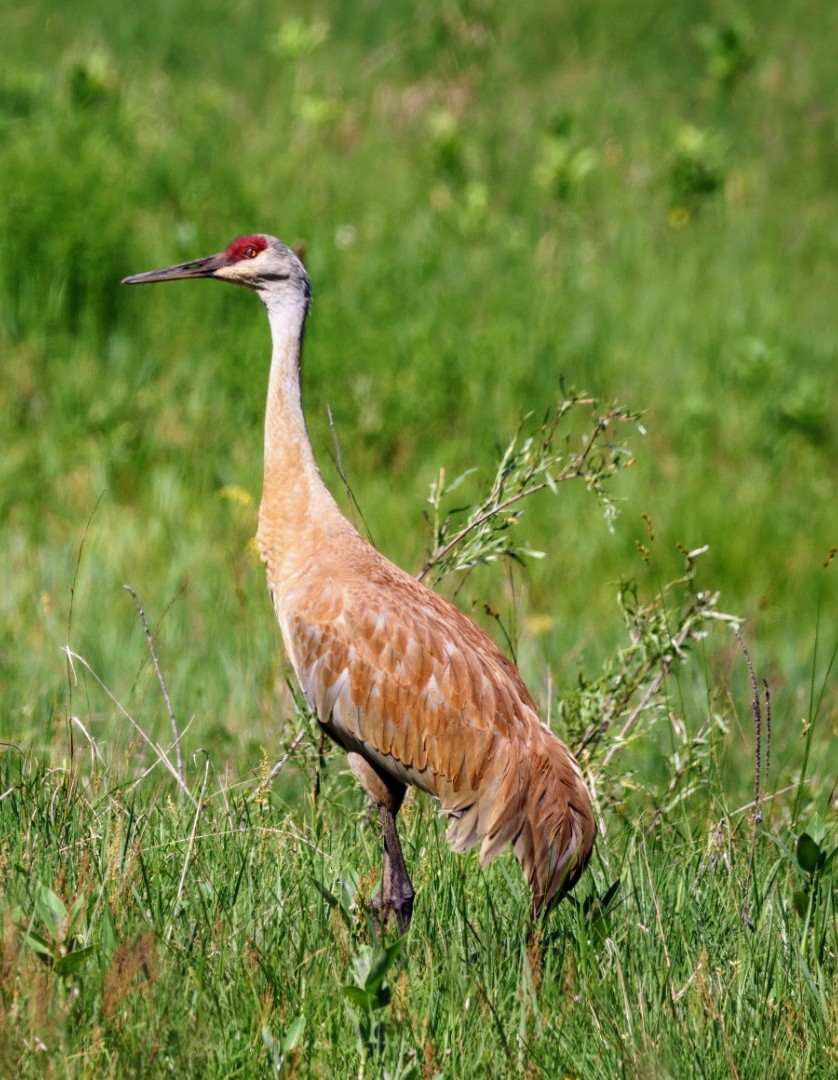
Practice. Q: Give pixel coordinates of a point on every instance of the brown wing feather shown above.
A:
(400, 676)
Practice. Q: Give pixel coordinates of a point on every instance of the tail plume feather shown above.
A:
(538, 803)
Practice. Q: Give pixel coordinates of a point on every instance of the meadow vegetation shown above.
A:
(609, 210)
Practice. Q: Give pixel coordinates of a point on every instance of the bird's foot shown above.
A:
(403, 907)
(399, 903)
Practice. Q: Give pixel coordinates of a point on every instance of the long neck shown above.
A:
(296, 506)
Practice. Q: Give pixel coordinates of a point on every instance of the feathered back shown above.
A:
(402, 677)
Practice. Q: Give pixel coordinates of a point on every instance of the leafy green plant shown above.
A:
(281, 1049)
(368, 996)
(814, 901)
(661, 630)
(346, 902)
(56, 938)
(92, 79)
(728, 50)
(597, 912)
(447, 142)
(565, 163)
(697, 167)
(297, 38)
(484, 532)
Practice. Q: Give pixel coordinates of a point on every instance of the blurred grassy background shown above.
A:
(641, 200)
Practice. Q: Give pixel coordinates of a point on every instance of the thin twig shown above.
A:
(94, 749)
(651, 690)
(339, 457)
(571, 472)
(717, 831)
(676, 779)
(187, 857)
(153, 765)
(70, 619)
(354, 505)
(159, 751)
(175, 733)
(262, 830)
(767, 693)
(756, 709)
(280, 765)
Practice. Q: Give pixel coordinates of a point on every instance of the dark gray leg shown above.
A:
(387, 793)
(396, 887)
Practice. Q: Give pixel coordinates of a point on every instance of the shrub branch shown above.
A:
(527, 466)
(181, 771)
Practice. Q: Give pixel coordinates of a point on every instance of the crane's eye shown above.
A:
(250, 252)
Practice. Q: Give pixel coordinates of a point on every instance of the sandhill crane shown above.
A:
(411, 688)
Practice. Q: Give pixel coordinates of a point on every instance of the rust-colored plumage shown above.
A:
(404, 681)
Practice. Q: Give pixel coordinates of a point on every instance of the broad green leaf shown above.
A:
(800, 899)
(809, 854)
(330, 898)
(72, 961)
(38, 943)
(361, 964)
(381, 964)
(816, 828)
(361, 999)
(271, 1046)
(50, 908)
(609, 894)
(292, 1036)
(75, 911)
(349, 881)
(459, 480)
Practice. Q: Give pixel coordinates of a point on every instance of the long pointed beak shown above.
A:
(200, 268)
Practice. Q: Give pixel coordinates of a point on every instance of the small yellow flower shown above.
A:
(235, 494)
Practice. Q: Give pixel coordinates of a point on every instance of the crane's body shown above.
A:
(412, 689)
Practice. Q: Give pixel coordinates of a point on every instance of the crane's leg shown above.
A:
(396, 887)
(396, 893)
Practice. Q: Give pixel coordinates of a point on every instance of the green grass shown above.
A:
(206, 929)
(640, 203)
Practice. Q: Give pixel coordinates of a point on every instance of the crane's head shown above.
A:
(257, 262)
